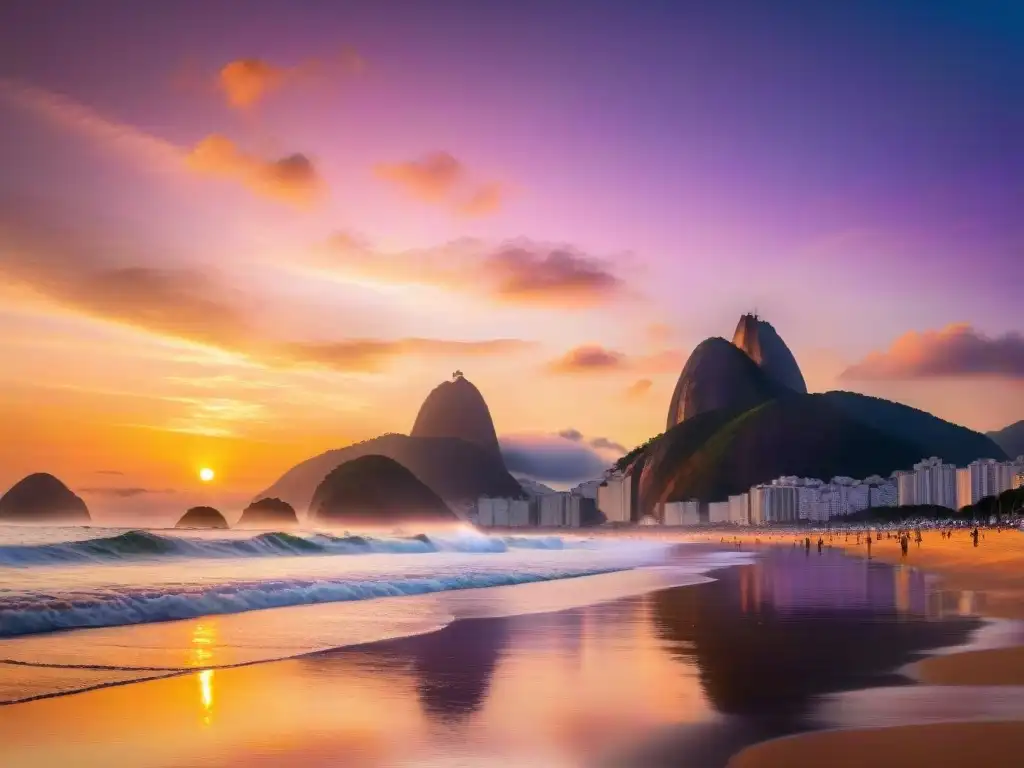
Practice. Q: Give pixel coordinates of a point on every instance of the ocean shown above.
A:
(171, 648)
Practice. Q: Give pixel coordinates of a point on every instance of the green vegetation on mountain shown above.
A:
(727, 451)
(1008, 503)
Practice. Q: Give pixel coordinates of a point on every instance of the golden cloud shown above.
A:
(589, 358)
(639, 389)
(441, 179)
(955, 351)
(244, 83)
(292, 179)
(517, 272)
(76, 272)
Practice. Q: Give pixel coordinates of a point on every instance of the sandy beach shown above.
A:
(995, 570)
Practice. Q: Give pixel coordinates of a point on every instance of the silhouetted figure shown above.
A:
(904, 545)
(869, 546)
(807, 544)
(974, 535)
(821, 543)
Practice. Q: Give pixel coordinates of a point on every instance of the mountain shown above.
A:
(376, 490)
(935, 437)
(764, 346)
(718, 374)
(202, 517)
(42, 498)
(726, 452)
(457, 409)
(268, 513)
(1010, 439)
(454, 469)
(453, 449)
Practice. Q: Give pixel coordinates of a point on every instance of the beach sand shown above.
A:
(995, 568)
(946, 745)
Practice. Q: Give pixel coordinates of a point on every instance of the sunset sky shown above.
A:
(238, 234)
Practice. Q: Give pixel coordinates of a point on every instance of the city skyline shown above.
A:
(237, 241)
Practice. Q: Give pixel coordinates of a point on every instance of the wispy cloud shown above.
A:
(125, 493)
(551, 458)
(638, 389)
(515, 272)
(604, 444)
(594, 358)
(292, 179)
(955, 351)
(244, 83)
(439, 178)
(78, 272)
(590, 358)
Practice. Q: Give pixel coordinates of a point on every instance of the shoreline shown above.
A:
(994, 570)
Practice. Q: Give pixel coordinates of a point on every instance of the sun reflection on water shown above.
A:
(203, 639)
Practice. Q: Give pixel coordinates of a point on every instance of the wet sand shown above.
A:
(945, 745)
(995, 570)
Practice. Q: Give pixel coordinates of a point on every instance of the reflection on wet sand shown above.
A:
(681, 676)
(452, 667)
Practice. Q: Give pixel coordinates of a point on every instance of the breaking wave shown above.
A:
(146, 545)
(39, 612)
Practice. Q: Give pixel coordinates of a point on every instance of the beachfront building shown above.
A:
(881, 492)
(559, 510)
(502, 513)
(718, 512)
(677, 513)
(615, 498)
(739, 509)
(1018, 480)
(780, 503)
(984, 477)
(906, 489)
(756, 495)
(935, 483)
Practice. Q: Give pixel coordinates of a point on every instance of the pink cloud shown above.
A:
(956, 350)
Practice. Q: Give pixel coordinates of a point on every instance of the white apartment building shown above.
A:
(615, 498)
(739, 509)
(502, 513)
(935, 483)
(559, 510)
(881, 492)
(718, 512)
(756, 495)
(906, 488)
(680, 513)
(780, 503)
(985, 477)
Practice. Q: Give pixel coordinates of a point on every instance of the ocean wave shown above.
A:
(33, 613)
(147, 545)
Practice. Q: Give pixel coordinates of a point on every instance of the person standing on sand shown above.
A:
(904, 544)
(821, 543)
(869, 546)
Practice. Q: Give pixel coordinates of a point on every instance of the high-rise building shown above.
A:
(935, 483)
(757, 516)
(681, 513)
(615, 498)
(502, 513)
(906, 489)
(780, 503)
(559, 510)
(718, 512)
(1018, 480)
(739, 509)
(984, 477)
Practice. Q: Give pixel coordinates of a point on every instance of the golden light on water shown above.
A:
(206, 693)
(206, 474)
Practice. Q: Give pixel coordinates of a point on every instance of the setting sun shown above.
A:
(206, 474)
